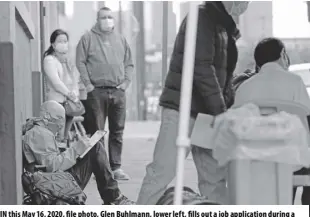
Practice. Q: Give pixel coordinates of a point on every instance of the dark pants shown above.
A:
(110, 103)
(96, 161)
(305, 197)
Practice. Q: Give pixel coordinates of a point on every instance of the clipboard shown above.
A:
(93, 141)
(202, 134)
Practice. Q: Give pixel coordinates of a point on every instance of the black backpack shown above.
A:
(42, 188)
(189, 198)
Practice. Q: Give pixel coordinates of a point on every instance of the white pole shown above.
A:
(183, 140)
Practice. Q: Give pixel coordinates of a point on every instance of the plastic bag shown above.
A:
(244, 134)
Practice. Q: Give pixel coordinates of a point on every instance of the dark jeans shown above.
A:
(305, 197)
(109, 103)
(96, 161)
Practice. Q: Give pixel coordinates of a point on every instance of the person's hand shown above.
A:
(73, 97)
(122, 86)
(84, 139)
(82, 144)
(90, 88)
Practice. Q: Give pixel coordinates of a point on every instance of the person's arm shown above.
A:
(81, 59)
(302, 95)
(128, 63)
(50, 69)
(205, 78)
(45, 152)
(229, 94)
(77, 80)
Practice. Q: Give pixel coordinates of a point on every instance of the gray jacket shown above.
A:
(104, 59)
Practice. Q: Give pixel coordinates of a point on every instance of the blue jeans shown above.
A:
(161, 171)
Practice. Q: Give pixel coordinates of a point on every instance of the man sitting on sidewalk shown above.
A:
(41, 148)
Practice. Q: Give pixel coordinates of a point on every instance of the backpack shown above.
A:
(189, 198)
(43, 188)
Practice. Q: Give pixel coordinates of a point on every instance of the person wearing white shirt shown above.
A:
(274, 82)
(62, 77)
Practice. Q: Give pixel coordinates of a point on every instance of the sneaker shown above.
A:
(119, 174)
(122, 200)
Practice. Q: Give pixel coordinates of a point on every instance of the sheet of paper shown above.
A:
(93, 141)
(203, 132)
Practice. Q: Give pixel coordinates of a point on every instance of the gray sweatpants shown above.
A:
(162, 170)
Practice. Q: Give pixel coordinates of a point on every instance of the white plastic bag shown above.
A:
(244, 134)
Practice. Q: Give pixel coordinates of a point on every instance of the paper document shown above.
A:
(93, 141)
(202, 134)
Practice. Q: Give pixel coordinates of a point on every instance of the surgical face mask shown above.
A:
(62, 48)
(286, 60)
(106, 24)
(55, 128)
(236, 8)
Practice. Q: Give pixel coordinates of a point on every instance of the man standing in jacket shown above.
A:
(215, 60)
(104, 60)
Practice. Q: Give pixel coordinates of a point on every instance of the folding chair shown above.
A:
(77, 128)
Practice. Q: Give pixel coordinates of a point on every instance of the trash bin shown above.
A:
(261, 153)
(252, 182)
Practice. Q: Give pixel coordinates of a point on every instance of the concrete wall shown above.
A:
(20, 85)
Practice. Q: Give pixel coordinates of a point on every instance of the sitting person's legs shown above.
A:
(96, 161)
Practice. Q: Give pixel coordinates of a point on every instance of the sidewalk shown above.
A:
(139, 142)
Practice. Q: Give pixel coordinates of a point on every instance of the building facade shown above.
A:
(25, 28)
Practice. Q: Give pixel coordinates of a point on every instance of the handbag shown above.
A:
(74, 108)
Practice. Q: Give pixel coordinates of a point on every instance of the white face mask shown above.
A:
(107, 24)
(285, 60)
(236, 8)
(62, 48)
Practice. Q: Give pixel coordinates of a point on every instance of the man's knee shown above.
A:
(117, 126)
